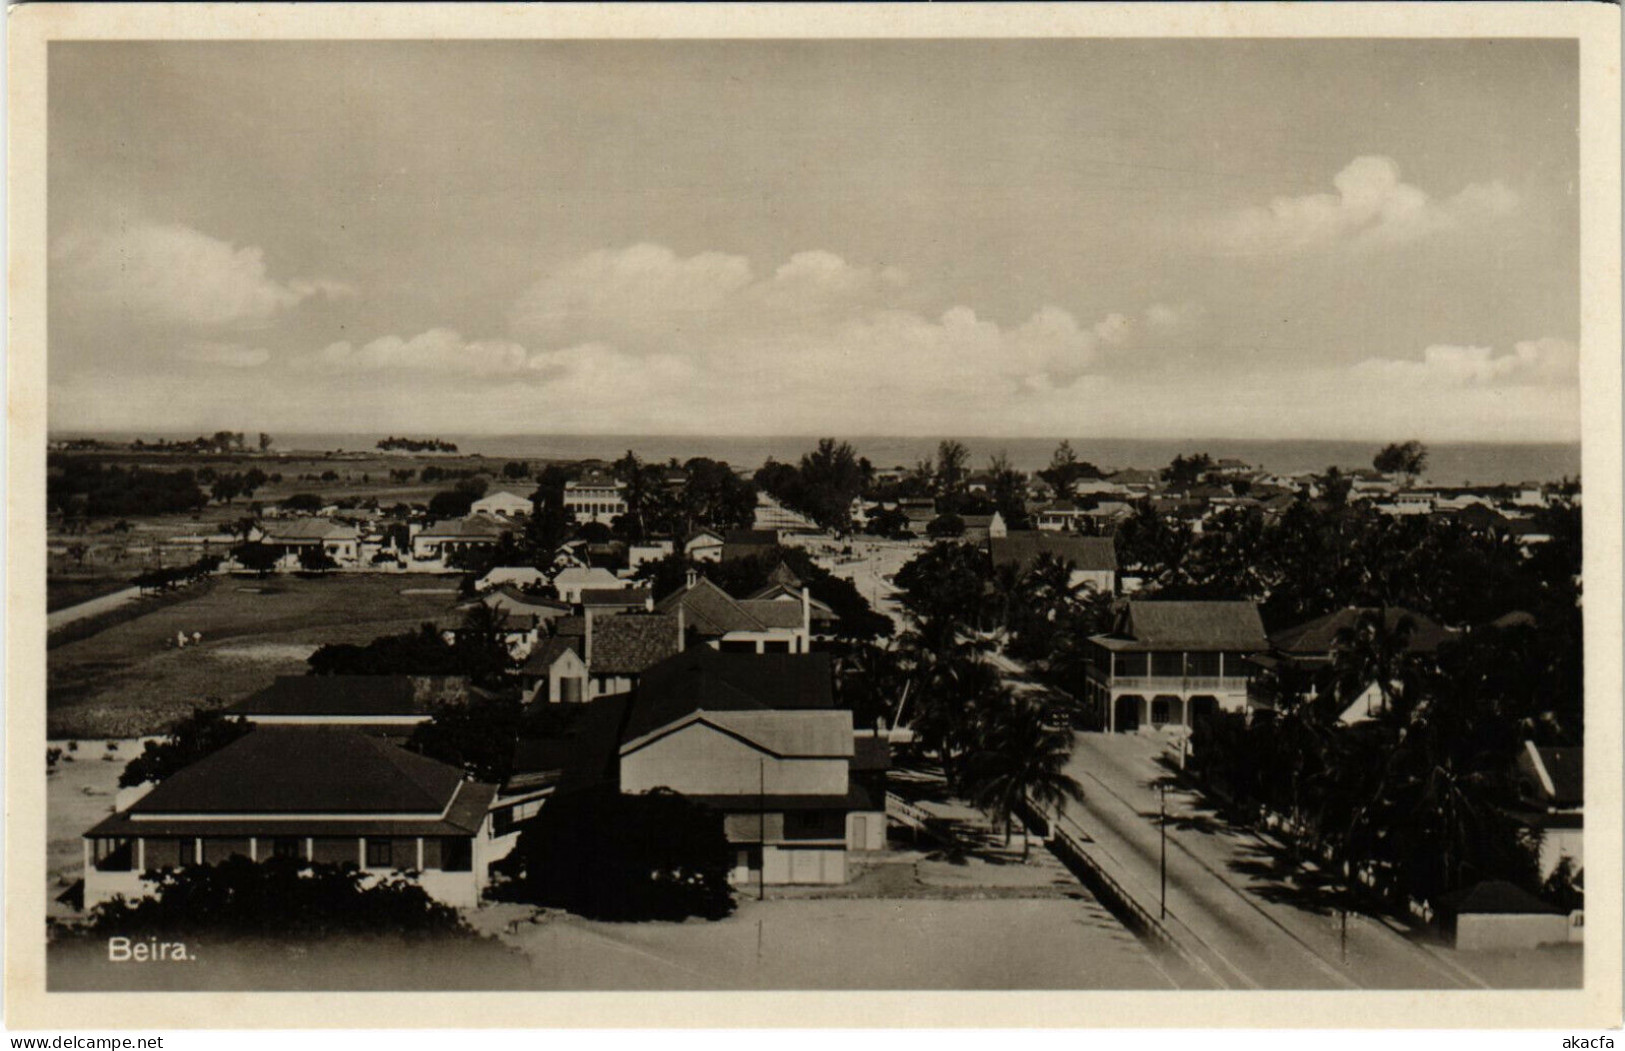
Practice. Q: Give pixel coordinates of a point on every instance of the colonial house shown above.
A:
(526, 617)
(1311, 648)
(703, 545)
(554, 672)
(733, 625)
(392, 705)
(759, 738)
(438, 541)
(502, 504)
(572, 581)
(784, 586)
(1059, 516)
(294, 536)
(1169, 663)
(595, 498)
(619, 648)
(1551, 789)
(326, 796)
(648, 551)
(1093, 558)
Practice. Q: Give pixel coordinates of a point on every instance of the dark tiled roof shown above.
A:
(570, 627)
(466, 529)
(304, 771)
(464, 818)
(1318, 637)
(773, 613)
(629, 643)
(348, 695)
(1022, 547)
(704, 679)
(1194, 625)
(709, 610)
(307, 529)
(1499, 897)
(615, 596)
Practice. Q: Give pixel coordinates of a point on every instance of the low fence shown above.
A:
(1117, 899)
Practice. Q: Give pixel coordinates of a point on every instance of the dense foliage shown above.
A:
(78, 486)
(423, 652)
(822, 486)
(278, 898)
(417, 445)
(610, 856)
(204, 732)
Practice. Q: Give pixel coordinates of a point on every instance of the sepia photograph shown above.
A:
(843, 512)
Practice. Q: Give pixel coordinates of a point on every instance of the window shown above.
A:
(380, 854)
(287, 847)
(1159, 711)
(457, 854)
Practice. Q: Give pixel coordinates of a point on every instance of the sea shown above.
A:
(1449, 463)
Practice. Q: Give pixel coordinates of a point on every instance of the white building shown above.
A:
(595, 498)
(501, 503)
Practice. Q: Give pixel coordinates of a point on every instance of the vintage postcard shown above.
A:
(1042, 515)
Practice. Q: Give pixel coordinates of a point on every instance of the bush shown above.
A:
(279, 897)
(204, 732)
(609, 856)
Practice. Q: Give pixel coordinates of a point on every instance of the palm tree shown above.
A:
(1376, 649)
(1023, 759)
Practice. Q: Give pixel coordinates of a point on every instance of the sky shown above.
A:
(1113, 238)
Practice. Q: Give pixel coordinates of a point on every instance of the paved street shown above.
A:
(874, 561)
(1251, 922)
(91, 608)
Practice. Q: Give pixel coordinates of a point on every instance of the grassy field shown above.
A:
(62, 592)
(128, 680)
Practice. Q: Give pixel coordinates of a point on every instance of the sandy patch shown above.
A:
(265, 651)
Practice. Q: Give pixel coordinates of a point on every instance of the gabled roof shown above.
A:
(703, 679)
(698, 533)
(585, 575)
(305, 771)
(546, 653)
(772, 613)
(1153, 625)
(515, 600)
(825, 734)
(348, 695)
(1318, 637)
(1498, 897)
(709, 610)
(1022, 548)
(629, 643)
(784, 596)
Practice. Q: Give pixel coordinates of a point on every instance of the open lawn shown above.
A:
(130, 680)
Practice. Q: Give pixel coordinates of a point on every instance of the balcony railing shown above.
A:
(1170, 682)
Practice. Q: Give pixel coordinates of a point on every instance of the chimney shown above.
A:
(682, 629)
(806, 619)
(649, 602)
(692, 578)
(586, 646)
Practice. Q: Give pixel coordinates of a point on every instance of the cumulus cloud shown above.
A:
(1372, 208)
(173, 274)
(439, 350)
(230, 355)
(1545, 361)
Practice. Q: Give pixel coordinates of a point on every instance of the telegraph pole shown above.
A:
(761, 830)
(1162, 823)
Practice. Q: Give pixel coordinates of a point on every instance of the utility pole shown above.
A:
(761, 829)
(1162, 823)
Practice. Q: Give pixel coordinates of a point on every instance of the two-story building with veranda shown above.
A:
(314, 795)
(1168, 663)
(595, 498)
(758, 737)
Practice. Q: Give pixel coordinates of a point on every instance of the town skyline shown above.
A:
(1383, 242)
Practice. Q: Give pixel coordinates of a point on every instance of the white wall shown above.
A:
(1495, 931)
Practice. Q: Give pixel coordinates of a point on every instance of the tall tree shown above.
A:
(1023, 760)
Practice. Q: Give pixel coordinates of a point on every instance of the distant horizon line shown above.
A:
(815, 436)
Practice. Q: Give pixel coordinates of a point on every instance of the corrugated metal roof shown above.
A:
(1022, 548)
(1196, 625)
(800, 734)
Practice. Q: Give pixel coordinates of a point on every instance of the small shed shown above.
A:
(1495, 915)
